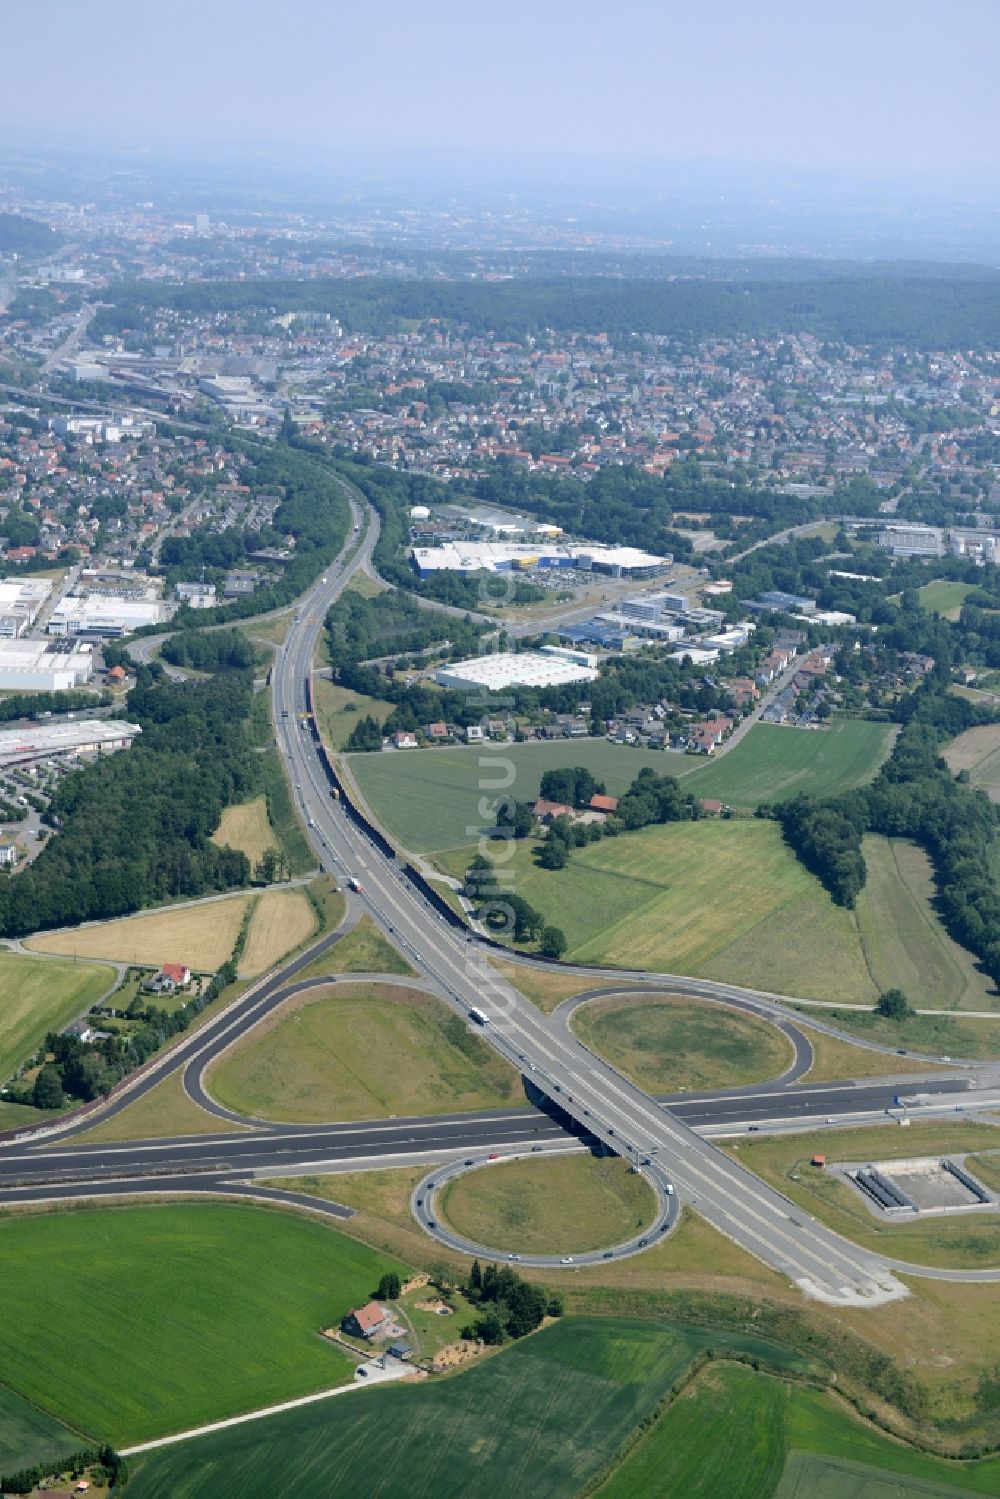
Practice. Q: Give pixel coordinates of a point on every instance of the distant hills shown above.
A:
(20, 235)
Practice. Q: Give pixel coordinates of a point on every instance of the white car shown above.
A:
(567, 1259)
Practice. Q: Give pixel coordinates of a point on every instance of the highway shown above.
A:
(603, 1102)
(578, 1092)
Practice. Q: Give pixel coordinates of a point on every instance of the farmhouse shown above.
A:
(603, 804)
(366, 1321)
(548, 811)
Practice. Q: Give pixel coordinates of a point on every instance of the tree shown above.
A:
(267, 869)
(893, 1005)
(48, 1090)
(366, 735)
(553, 854)
(388, 1287)
(553, 942)
(476, 1277)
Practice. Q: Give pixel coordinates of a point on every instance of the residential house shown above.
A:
(436, 732)
(8, 853)
(547, 812)
(367, 1321)
(606, 805)
(403, 740)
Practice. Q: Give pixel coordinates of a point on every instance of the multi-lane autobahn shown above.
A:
(578, 1093)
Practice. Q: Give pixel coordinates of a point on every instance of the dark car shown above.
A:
(470, 1161)
(608, 1254)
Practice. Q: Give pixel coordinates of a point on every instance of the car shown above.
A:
(753, 1128)
(431, 1223)
(420, 1202)
(430, 1186)
(557, 1087)
(587, 1113)
(569, 1098)
(946, 1059)
(284, 712)
(567, 1259)
(513, 1256)
(610, 1130)
(646, 1161)
(669, 1190)
(471, 1161)
(608, 1254)
(494, 1155)
(901, 1051)
(643, 1243)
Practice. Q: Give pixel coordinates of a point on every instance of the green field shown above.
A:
(363, 949)
(720, 899)
(429, 799)
(362, 1052)
(664, 1044)
(549, 1205)
(775, 761)
(38, 995)
(945, 597)
(905, 945)
(134, 1322)
(978, 752)
(29, 1436)
(543, 1417)
(735, 1434)
(339, 710)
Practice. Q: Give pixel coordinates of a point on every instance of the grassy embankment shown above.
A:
(363, 1052)
(38, 995)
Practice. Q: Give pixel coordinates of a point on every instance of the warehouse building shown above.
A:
(513, 557)
(910, 540)
(496, 673)
(20, 602)
(44, 665)
(106, 617)
(87, 736)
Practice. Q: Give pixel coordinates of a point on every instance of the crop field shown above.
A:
(38, 995)
(746, 1435)
(720, 899)
(246, 828)
(28, 1435)
(361, 1052)
(904, 943)
(429, 799)
(543, 1416)
(207, 1319)
(776, 761)
(338, 710)
(969, 1241)
(944, 596)
(668, 1042)
(202, 936)
(282, 920)
(978, 752)
(549, 1204)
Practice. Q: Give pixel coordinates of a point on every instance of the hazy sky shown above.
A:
(864, 84)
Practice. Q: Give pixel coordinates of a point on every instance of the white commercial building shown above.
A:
(518, 557)
(20, 601)
(44, 665)
(496, 673)
(108, 617)
(87, 736)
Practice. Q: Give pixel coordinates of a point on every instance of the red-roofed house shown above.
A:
(178, 974)
(605, 804)
(548, 811)
(366, 1321)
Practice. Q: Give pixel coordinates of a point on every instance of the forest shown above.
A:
(927, 310)
(134, 828)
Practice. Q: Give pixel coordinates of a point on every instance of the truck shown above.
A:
(335, 793)
(355, 884)
(477, 1015)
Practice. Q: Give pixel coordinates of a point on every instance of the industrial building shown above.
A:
(44, 665)
(981, 546)
(87, 736)
(513, 557)
(496, 673)
(20, 602)
(106, 617)
(910, 540)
